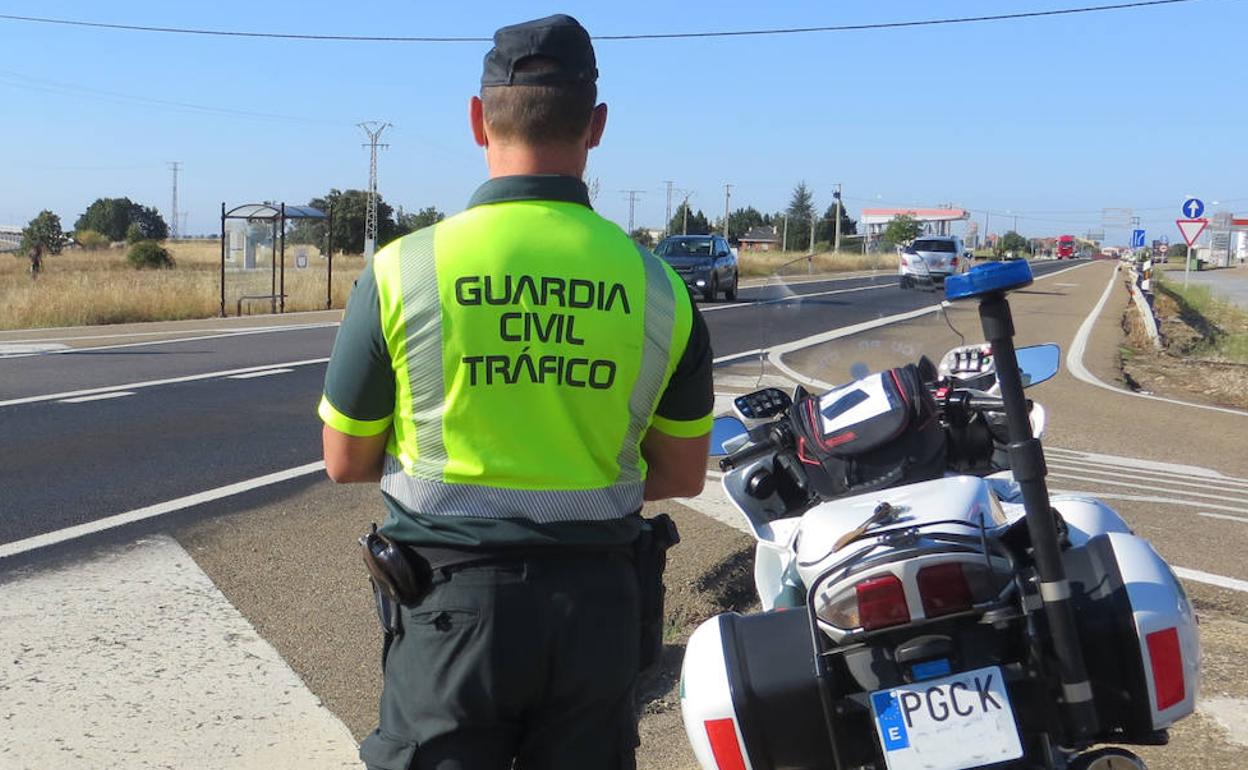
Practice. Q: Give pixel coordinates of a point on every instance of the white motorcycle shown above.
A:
(927, 605)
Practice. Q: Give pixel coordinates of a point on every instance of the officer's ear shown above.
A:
(476, 119)
(597, 124)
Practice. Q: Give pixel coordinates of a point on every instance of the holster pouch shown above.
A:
(399, 576)
(650, 559)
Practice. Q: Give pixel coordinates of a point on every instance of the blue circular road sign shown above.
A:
(1193, 208)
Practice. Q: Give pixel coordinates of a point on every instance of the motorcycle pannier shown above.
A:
(875, 432)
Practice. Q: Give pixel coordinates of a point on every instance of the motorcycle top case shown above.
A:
(878, 431)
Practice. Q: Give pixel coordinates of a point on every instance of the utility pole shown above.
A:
(667, 219)
(727, 197)
(784, 242)
(685, 226)
(632, 205)
(373, 129)
(836, 241)
(173, 209)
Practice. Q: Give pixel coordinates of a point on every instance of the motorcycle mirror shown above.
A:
(1038, 363)
(724, 430)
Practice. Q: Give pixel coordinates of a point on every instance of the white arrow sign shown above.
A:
(1191, 228)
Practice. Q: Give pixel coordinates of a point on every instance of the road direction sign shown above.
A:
(1193, 208)
(1191, 228)
(1137, 239)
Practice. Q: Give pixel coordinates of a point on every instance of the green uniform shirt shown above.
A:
(517, 353)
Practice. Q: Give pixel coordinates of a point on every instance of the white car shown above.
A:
(931, 259)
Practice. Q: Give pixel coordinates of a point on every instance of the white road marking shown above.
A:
(1153, 476)
(20, 349)
(1132, 463)
(152, 383)
(97, 397)
(1214, 580)
(133, 658)
(233, 333)
(1230, 713)
(1149, 499)
(1240, 519)
(265, 373)
(152, 511)
(1074, 359)
(1067, 285)
(1138, 485)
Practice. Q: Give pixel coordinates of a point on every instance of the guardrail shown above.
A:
(1141, 287)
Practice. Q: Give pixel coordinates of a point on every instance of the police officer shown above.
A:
(519, 377)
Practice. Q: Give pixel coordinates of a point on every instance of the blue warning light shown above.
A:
(988, 278)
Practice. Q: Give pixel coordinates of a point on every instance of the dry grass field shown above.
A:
(790, 263)
(79, 288)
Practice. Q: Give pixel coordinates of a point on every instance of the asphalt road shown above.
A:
(167, 419)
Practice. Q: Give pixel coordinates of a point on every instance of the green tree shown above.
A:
(827, 226)
(643, 237)
(134, 234)
(410, 223)
(1014, 242)
(113, 217)
(350, 207)
(698, 223)
(801, 209)
(1177, 251)
(44, 231)
(901, 229)
(742, 220)
(149, 255)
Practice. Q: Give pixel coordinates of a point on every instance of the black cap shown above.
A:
(559, 38)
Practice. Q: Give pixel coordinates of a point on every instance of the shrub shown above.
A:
(134, 233)
(92, 240)
(149, 254)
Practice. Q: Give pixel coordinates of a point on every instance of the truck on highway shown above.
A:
(1065, 247)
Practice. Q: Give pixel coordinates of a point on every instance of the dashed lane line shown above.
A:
(153, 383)
(65, 350)
(265, 373)
(97, 397)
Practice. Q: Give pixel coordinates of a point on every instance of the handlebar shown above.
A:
(768, 438)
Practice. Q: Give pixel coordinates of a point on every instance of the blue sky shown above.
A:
(1050, 120)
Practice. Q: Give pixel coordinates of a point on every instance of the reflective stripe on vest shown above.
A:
(502, 409)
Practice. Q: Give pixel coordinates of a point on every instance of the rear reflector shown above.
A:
(944, 589)
(1166, 658)
(724, 745)
(881, 602)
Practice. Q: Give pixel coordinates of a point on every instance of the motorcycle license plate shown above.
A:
(952, 723)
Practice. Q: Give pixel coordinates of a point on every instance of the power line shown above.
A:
(19, 80)
(637, 36)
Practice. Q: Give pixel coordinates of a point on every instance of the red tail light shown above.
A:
(881, 602)
(944, 589)
(1166, 658)
(724, 744)
(953, 261)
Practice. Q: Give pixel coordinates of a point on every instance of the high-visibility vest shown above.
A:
(527, 369)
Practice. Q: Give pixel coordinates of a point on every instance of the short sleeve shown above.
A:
(359, 381)
(685, 408)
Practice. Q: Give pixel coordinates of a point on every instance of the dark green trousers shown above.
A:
(529, 664)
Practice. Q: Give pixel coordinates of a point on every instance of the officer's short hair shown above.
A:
(539, 114)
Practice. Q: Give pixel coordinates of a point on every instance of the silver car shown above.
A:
(931, 259)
